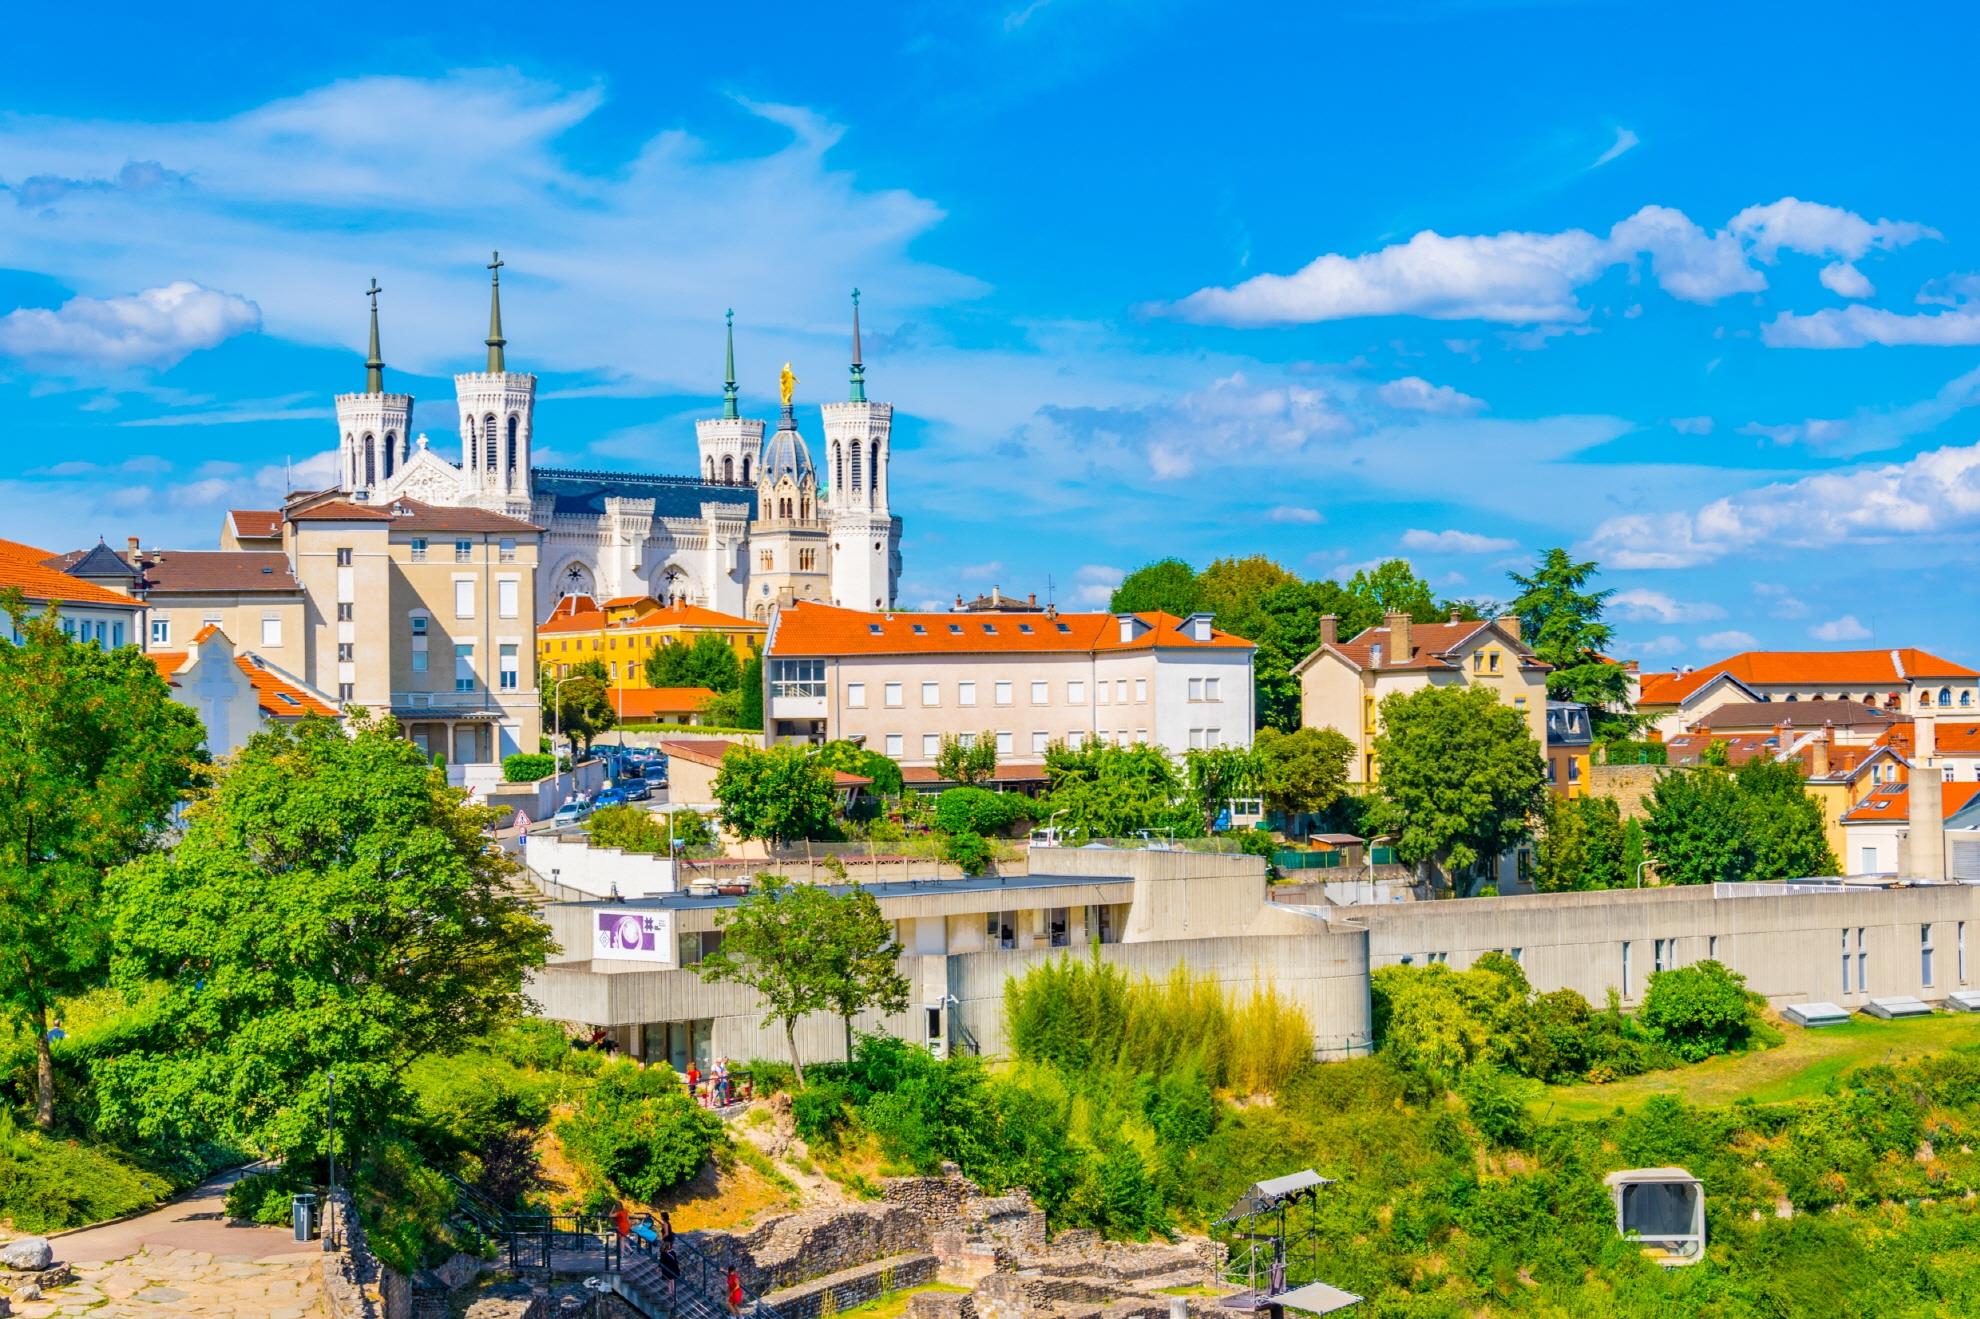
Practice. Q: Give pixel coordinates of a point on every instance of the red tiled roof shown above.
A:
(26, 567)
(1689, 748)
(622, 601)
(167, 662)
(338, 510)
(1429, 644)
(649, 702)
(1952, 738)
(1803, 668)
(814, 629)
(1802, 715)
(277, 696)
(1004, 773)
(198, 572)
(1892, 802)
(682, 614)
(710, 750)
(561, 621)
(256, 523)
(410, 515)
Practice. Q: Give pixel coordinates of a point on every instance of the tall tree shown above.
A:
(856, 759)
(966, 764)
(864, 969)
(749, 706)
(1217, 774)
(1392, 587)
(708, 661)
(578, 705)
(94, 753)
(1581, 845)
(1561, 619)
(1108, 791)
(1167, 585)
(333, 906)
(1304, 771)
(1460, 778)
(1715, 825)
(778, 794)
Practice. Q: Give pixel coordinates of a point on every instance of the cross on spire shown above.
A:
(495, 341)
(729, 391)
(374, 365)
(858, 366)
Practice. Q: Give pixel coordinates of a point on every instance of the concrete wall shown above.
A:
(1786, 941)
(568, 858)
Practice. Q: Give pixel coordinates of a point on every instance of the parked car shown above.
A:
(610, 797)
(636, 790)
(571, 812)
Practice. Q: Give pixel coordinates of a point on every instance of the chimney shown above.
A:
(1819, 760)
(131, 544)
(1455, 611)
(1925, 838)
(1031, 598)
(996, 595)
(1330, 626)
(1509, 624)
(1400, 649)
(959, 599)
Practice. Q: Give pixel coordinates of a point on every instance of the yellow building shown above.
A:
(621, 633)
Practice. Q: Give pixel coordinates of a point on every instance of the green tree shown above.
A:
(638, 1131)
(578, 705)
(966, 763)
(805, 949)
(1712, 824)
(332, 906)
(93, 755)
(1217, 774)
(1392, 587)
(778, 794)
(1166, 585)
(1304, 771)
(1581, 845)
(856, 759)
(979, 811)
(1108, 791)
(1784, 828)
(749, 708)
(1700, 1010)
(1562, 621)
(708, 661)
(1460, 778)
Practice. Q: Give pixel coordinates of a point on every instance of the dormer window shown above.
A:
(1066, 629)
(873, 629)
(920, 631)
(1025, 628)
(955, 629)
(991, 628)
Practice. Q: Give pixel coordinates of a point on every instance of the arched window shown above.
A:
(473, 444)
(874, 461)
(1966, 697)
(491, 434)
(804, 508)
(515, 426)
(1925, 698)
(855, 465)
(1945, 696)
(370, 461)
(728, 470)
(838, 466)
(745, 469)
(1792, 697)
(391, 453)
(350, 468)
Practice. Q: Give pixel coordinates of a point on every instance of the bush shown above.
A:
(638, 1131)
(979, 811)
(971, 852)
(1700, 1010)
(819, 1111)
(263, 1197)
(1496, 1109)
(528, 767)
(633, 828)
(48, 1185)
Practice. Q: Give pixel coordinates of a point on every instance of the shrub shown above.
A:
(528, 767)
(639, 1131)
(971, 852)
(979, 811)
(819, 1111)
(1699, 1010)
(1496, 1109)
(48, 1185)
(635, 829)
(263, 1197)
(1271, 1039)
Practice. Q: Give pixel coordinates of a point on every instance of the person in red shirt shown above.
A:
(622, 1222)
(735, 1293)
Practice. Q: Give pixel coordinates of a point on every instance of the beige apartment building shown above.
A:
(1342, 684)
(898, 682)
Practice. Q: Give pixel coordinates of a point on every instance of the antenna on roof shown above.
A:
(1049, 601)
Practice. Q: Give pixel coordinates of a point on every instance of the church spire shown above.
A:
(729, 409)
(858, 366)
(495, 340)
(374, 365)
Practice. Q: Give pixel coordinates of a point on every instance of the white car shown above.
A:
(571, 812)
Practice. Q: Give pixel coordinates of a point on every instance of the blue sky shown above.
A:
(1690, 290)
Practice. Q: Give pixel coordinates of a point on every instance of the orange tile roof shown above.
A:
(1803, 668)
(256, 523)
(277, 696)
(682, 614)
(1952, 738)
(563, 621)
(167, 662)
(648, 702)
(621, 601)
(710, 750)
(1892, 802)
(338, 510)
(23, 566)
(1004, 773)
(814, 629)
(1429, 642)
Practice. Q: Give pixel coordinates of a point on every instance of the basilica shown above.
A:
(755, 526)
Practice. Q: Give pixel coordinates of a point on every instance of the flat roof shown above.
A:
(894, 888)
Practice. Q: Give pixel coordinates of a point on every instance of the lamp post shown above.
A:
(1639, 871)
(1051, 825)
(556, 733)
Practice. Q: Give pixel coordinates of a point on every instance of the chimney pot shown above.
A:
(1031, 597)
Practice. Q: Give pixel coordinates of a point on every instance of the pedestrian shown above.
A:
(666, 1227)
(693, 1078)
(722, 1080)
(735, 1293)
(670, 1265)
(621, 1222)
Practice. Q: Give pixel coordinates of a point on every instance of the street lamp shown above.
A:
(1051, 829)
(1639, 871)
(556, 733)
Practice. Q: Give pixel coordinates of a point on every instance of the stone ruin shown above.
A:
(944, 1229)
(27, 1269)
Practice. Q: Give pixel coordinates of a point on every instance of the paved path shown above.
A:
(185, 1259)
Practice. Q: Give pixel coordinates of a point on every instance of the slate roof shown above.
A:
(576, 493)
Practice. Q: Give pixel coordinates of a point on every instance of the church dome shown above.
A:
(785, 454)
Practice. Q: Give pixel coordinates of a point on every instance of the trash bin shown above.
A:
(302, 1211)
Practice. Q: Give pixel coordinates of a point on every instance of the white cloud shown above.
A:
(1523, 278)
(1840, 277)
(1659, 645)
(1454, 542)
(1783, 603)
(157, 327)
(1292, 513)
(980, 572)
(1857, 325)
(1933, 493)
(1415, 394)
(1342, 572)
(1094, 584)
(1845, 628)
(1229, 421)
(1645, 606)
(1873, 429)
(1692, 425)
(1625, 140)
(1732, 639)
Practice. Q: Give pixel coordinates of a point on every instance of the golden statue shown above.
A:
(786, 383)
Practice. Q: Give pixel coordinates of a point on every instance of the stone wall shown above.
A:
(798, 1247)
(854, 1286)
(351, 1276)
(1628, 784)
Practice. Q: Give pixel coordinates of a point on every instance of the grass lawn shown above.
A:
(894, 1304)
(1798, 1069)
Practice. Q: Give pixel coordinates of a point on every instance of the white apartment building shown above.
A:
(898, 683)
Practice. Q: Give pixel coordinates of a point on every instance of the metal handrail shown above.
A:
(709, 1279)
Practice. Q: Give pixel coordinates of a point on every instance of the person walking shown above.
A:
(735, 1296)
(666, 1227)
(670, 1263)
(621, 1222)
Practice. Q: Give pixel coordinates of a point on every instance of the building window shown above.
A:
(1862, 963)
(117, 636)
(161, 631)
(346, 692)
(511, 667)
(1000, 928)
(1518, 956)
(463, 551)
(931, 745)
(1574, 769)
(764, 561)
(1492, 662)
(1959, 931)
(464, 666)
(506, 549)
(967, 739)
(344, 558)
(419, 549)
(1058, 926)
(1041, 693)
(1039, 742)
(856, 695)
(891, 694)
(345, 652)
(507, 592)
(1120, 690)
(1005, 744)
(1212, 689)
(931, 693)
(807, 560)
(419, 625)
(1845, 956)
(965, 693)
(463, 597)
(1660, 956)
(1076, 693)
(1100, 691)
(1002, 692)
(419, 661)
(1196, 689)
(346, 612)
(1712, 948)
(1141, 689)
(797, 678)
(1925, 945)
(1625, 969)
(894, 745)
